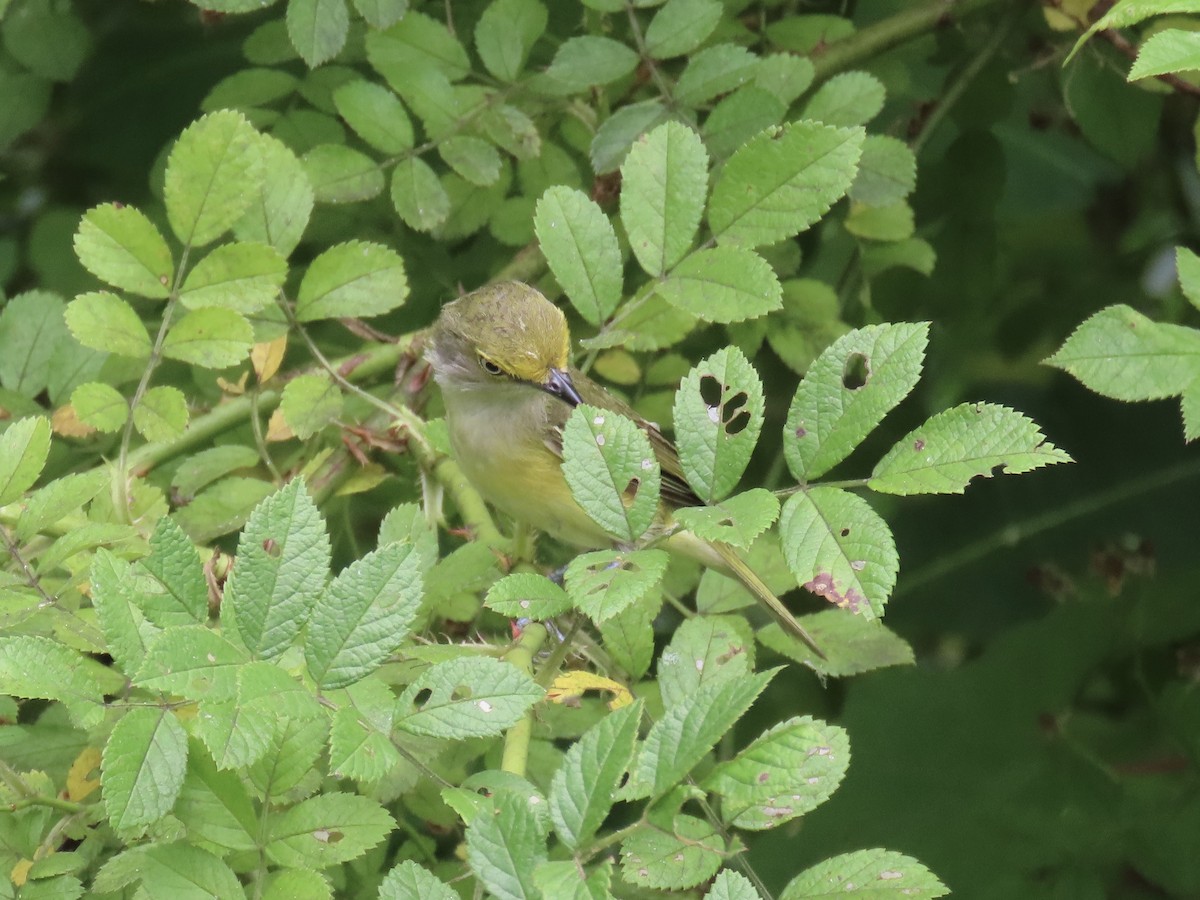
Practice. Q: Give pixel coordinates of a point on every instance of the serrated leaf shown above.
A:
(848, 390)
(730, 885)
(212, 173)
(31, 331)
(1166, 51)
(243, 277)
(418, 42)
(506, 33)
(887, 171)
(309, 403)
(100, 405)
(212, 338)
(175, 566)
(283, 564)
(105, 322)
(722, 284)
(206, 466)
(851, 98)
(238, 730)
(565, 879)
(41, 668)
(954, 446)
(587, 60)
(215, 806)
(381, 13)
(326, 830)
(473, 158)
(222, 508)
(360, 745)
(169, 869)
(291, 756)
(340, 174)
(162, 414)
(527, 595)
(357, 278)
(191, 661)
(505, 843)
(736, 520)
(789, 770)
(604, 583)
(249, 89)
(680, 26)
(121, 247)
(893, 222)
(375, 114)
(617, 133)
(664, 182)
(409, 881)
(684, 857)
(705, 649)
(466, 697)
(784, 75)
(839, 548)
(364, 614)
(783, 181)
(629, 635)
(581, 247)
(317, 28)
(1187, 266)
(852, 644)
(24, 446)
(113, 590)
(713, 71)
(56, 500)
(718, 415)
(144, 763)
(687, 731)
(740, 116)
(279, 209)
(418, 195)
(866, 873)
(612, 471)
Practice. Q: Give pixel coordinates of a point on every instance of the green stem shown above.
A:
(891, 32)
(516, 740)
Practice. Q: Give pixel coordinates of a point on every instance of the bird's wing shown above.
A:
(675, 490)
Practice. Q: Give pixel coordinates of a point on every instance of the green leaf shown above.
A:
(629, 635)
(381, 13)
(418, 195)
(914, 253)
(357, 278)
(466, 697)
(282, 567)
(363, 616)
(705, 649)
(1116, 119)
(215, 806)
(893, 222)
(723, 284)
(954, 446)
(1170, 50)
(341, 175)
(310, 402)
(58, 499)
(191, 661)
(473, 158)
(213, 171)
(839, 548)
(786, 76)
(1129, 12)
(791, 769)
(687, 855)
(100, 405)
(41, 668)
(736, 520)
(47, 38)
(279, 209)
(739, 117)
(887, 171)
(505, 843)
(866, 873)
(326, 830)
(170, 870)
(291, 757)
(584, 787)
(212, 338)
(527, 595)
(222, 508)
(851, 98)
(318, 28)
(730, 885)
(1187, 265)
(162, 414)
(175, 566)
(143, 767)
(31, 328)
(243, 277)
(848, 390)
(120, 246)
(566, 879)
(1120, 353)
(418, 42)
(852, 644)
(714, 71)
(24, 446)
(375, 114)
(360, 745)
(581, 248)
(250, 88)
(612, 471)
(206, 466)
(718, 415)
(604, 583)
(664, 182)
(679, 740)
(505, 34)
(104, 321)
(239, 730)
(618, 132)
(680, 26)
(409, 881)
(783, 181)
(587, 60)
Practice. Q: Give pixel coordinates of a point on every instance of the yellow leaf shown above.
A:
(230, 388)
(79, 785)
(277, 428)
(571, 686)
(267, 356)
(65, 422)
(20, 872)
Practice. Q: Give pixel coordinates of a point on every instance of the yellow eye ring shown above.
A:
(490, 367)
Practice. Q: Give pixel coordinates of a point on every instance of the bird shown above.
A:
(501, 356)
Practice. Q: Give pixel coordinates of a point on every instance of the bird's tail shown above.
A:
(742, 572)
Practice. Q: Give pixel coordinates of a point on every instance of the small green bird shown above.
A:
(501, 356)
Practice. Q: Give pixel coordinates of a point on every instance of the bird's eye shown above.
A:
(490, 367)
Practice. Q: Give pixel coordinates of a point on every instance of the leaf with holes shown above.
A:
(968, 441)
(736, 520)
(718, 412)
(606, 582)
(705, 649)
(327, 829)
(612, 470)
(848, 390)
(839, 548)
(690, 853)
(466, 697)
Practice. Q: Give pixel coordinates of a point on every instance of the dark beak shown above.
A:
(560, 385)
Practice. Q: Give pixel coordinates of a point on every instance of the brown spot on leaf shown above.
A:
(823, 585)
(631, 491)
(801, 432)
(919, 445)
(271, 546)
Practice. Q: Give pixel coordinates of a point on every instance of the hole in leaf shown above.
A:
(631, 490)
(710, 391)
(845, 532)
(422, 697)
(726, 522)
(736, 416)
(856, 372)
